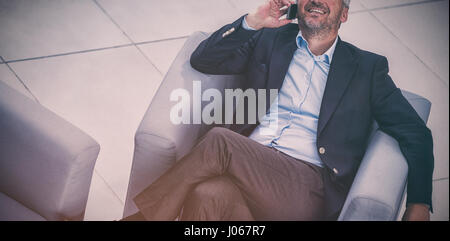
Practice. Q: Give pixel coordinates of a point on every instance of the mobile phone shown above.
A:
(292, 12)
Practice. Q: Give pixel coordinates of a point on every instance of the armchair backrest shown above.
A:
(181, 76)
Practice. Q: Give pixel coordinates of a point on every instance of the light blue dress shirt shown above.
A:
(291, 123)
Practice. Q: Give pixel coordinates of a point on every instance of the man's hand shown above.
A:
(268, 15)
(417, 212)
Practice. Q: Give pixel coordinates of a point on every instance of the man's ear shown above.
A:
(344, 15)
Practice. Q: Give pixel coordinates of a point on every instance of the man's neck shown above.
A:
(319, 44)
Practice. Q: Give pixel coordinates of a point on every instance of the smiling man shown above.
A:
(330, 92)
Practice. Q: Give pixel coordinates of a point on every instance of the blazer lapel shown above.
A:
(283, 51)
(341, 71)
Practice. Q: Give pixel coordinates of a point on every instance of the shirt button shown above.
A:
(335, 171)
(322, 150)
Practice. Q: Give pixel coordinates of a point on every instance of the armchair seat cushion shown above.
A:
(11, 210)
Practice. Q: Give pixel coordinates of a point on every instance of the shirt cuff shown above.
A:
(245, 25)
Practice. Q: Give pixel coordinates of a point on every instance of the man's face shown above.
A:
(319, 15)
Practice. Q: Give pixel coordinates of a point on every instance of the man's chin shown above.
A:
(312, 22)
(313, 25)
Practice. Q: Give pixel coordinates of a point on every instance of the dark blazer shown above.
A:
(358, 91)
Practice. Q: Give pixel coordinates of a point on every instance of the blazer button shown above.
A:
(322, 150)
(228, 32)
(335, 171)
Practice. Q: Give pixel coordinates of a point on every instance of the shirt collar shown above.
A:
(327, 56)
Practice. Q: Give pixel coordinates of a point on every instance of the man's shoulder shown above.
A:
(361, 54)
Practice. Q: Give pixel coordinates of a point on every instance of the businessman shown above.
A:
(330, 92)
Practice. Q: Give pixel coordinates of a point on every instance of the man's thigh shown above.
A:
(275, 185)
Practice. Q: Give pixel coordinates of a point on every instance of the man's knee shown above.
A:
(219, 132)
(216, 199)
(218, 188)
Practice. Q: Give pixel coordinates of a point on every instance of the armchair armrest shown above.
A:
(46, 163)
(379, 186)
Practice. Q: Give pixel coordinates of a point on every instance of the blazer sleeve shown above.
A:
(227, 51)
(397, 118)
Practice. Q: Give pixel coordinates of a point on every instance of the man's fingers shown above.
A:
(287, 2)
(283, 11)
(283, 3)
(282, 22)
(284, 8)
(281, 7)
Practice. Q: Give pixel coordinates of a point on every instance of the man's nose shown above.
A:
(317, 2)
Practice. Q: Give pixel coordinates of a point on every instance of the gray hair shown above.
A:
(346, 3)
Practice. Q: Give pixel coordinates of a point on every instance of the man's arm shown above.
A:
(397, 118)
(228, 50)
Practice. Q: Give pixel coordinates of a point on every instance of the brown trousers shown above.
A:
(228, 176)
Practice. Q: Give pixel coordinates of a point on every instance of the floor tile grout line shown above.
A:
(20, 80)
(92, 50)
(148, 59)
(409, 49)
(107, 184)
(127, 36)
(393, 6)
(162, 40)
(440, 179)
(69, 53)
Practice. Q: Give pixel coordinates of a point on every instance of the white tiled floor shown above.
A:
(372, 4)
(422, 35)
(9, 78)
(440, 200)
(356, 5)
(145, 20)
(105, 91)
(103, 204)
(163, 53)
(40, 28)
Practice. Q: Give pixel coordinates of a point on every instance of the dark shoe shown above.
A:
(135, 217)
